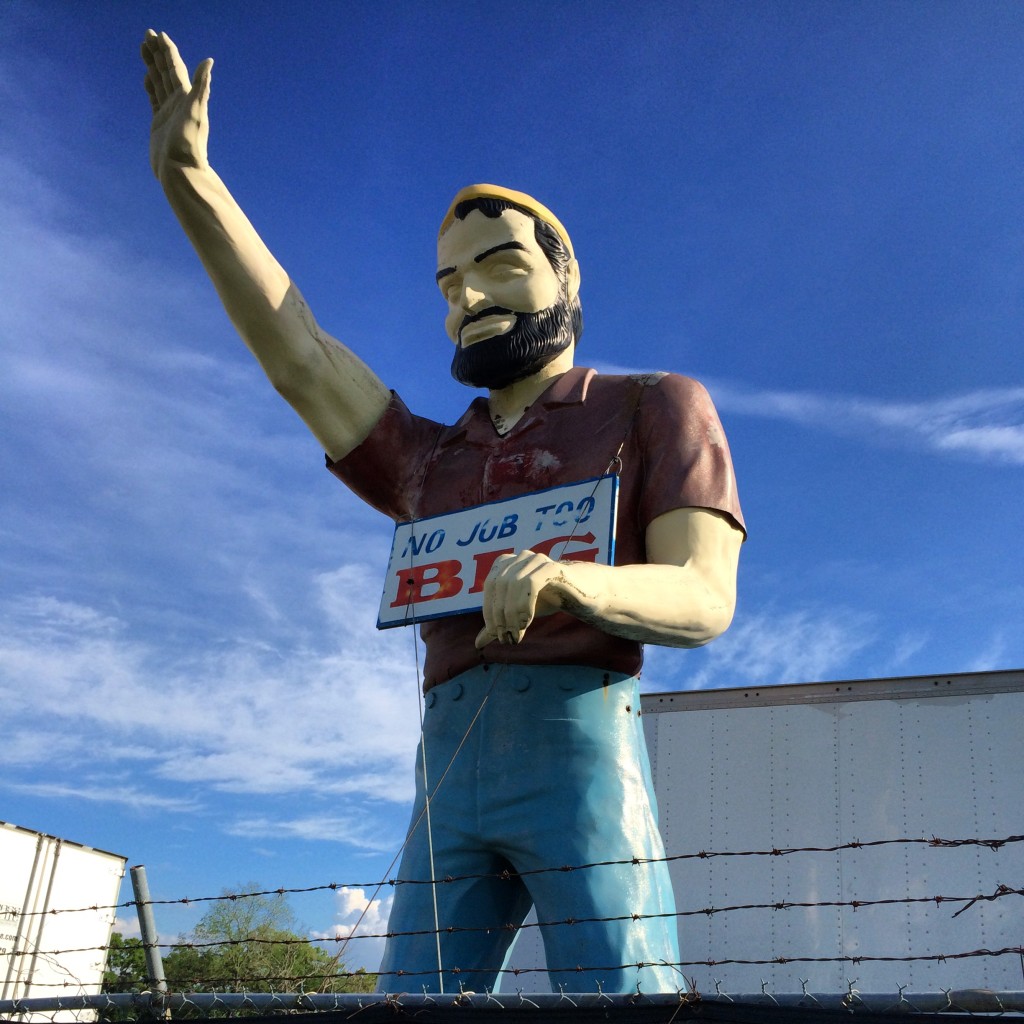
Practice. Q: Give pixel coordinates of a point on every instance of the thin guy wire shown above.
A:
(412, 828)
(428, 796)
(427, 799)
(611, 462)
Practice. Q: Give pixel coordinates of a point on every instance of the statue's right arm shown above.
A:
(336, 394)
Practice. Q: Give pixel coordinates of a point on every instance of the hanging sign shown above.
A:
(439, 564)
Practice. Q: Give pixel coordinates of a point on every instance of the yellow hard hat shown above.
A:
(510, 194)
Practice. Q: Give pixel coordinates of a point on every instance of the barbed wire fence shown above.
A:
(289, 993)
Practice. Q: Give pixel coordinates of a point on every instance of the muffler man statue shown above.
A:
(532, 706)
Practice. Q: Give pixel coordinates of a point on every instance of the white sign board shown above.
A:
(439, 564)
(40, 878)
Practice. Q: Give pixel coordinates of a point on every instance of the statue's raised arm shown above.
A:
(334, 391)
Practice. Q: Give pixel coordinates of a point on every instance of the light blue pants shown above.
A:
(553, 773)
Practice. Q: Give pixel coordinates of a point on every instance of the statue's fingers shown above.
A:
(521, 612)
(154, 81)
(495, 592)
(151, 92)
(201, 82)
(175, 67)
(508, 610)
(162, 75)
(515, 596)
(167, 70)
(484, 637)
(146, 49)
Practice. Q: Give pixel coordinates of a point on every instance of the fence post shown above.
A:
(147, 925)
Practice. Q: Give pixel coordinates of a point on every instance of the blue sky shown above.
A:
(812, 207)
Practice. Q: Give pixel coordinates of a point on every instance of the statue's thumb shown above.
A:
(201, 80)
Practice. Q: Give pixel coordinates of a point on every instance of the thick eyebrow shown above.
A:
(445, 271)
(499, 248)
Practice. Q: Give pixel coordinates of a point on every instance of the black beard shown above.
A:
(532, 342)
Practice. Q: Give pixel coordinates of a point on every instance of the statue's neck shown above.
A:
(507, 405)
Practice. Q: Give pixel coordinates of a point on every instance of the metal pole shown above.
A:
(147, 925)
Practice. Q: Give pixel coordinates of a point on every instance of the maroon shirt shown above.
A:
(674, 455)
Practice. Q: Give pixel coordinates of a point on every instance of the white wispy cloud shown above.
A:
(986, 425)
(151, 528)
(991, 656)
(337, 718)
(768, 647)
(107, 793)
(358, 832)
(132, 413)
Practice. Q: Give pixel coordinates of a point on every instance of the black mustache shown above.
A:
(471, 318)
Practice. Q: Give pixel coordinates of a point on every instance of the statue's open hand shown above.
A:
(519, 589)
(180, 130)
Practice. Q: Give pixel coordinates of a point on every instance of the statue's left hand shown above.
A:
(519, 589)
(683, 596)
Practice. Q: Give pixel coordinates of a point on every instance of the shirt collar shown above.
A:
(475, 427)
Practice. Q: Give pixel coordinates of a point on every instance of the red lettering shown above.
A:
(413, 581)
(484, 563)
(545, 547)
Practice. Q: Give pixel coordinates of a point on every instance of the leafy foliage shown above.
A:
(126, 965)
(241, 944)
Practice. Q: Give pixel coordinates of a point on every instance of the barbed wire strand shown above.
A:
(993, 844)
(943, 1005)
(581, 969)
(969, 901)
(324, 978)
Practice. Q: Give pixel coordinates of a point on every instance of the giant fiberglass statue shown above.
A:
(532, 710)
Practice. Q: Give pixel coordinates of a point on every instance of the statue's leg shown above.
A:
(482, 911)
(576, 789)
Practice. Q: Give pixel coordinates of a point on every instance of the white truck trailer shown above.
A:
(40, 874)
(745, 771)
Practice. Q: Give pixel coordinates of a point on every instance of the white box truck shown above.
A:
(43, 880)
(819, 765)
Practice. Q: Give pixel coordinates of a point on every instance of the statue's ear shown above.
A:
(572, 278)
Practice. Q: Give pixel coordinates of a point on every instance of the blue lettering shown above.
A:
(543, 511)
(588, 504)
(566, 506)
(414, 542)
(472, 534)
(435, 540)
(508, 525)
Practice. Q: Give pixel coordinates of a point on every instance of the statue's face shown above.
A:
(508, 309)
(489, 270)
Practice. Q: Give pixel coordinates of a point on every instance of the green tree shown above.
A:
(241, 944)
(252, 944)
(125, 972)
(126, 965)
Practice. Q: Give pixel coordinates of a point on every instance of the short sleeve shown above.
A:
(386, 469)
(686, 459)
